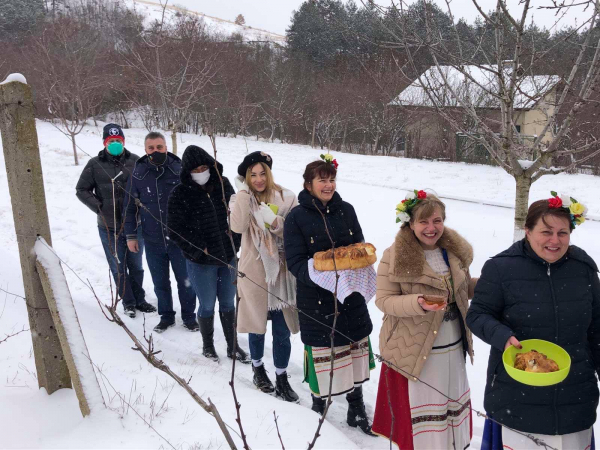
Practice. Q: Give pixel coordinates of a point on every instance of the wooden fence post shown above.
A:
(28, 199)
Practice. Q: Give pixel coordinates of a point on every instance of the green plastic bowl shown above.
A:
(549, 349)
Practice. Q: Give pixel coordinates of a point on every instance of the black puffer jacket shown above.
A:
(94, 187)
(197, 216)
(521, 295)
(304, 235)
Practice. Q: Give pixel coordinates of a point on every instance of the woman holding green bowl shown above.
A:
(541, 288)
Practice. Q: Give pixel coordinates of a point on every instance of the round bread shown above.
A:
(355, 256)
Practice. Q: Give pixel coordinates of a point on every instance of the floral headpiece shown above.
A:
(328, 158)
(405, 207)
(577, 210)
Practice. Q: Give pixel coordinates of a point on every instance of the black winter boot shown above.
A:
(261, 379)
(284, 390)
(357, 415)
(318, 405)
(207, 329)
(146, 307)
(227, 320)
(165, 323)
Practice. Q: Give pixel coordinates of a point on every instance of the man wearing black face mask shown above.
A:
(153, 178)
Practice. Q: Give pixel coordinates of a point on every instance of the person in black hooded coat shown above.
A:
(197, 223)
(541, 288)
(304, 235)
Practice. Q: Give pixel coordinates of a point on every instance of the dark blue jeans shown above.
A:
(158, 258)
(282, 347)
(212, 282)
(128, 272)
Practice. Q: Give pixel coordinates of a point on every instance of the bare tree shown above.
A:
(177, 62)
(500, 72)
(67, 61)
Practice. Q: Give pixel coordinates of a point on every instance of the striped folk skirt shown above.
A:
(351, 367)
(416, 417)
(496, 437)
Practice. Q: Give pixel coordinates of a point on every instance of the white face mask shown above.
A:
(201, 178)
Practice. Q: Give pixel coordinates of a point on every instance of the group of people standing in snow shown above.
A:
(186, 214)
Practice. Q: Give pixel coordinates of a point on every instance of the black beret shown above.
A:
(253, 158)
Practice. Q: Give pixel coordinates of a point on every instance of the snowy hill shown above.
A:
(153, 10)
(374, 185)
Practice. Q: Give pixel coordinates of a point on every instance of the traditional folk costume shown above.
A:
(427, 345)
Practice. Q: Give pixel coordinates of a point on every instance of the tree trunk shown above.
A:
(272, 137)
(344, 138)
(521, 205)
(174, 140)
(74, 149)
(312, 143)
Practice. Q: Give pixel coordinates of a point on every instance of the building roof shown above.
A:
(476, 85)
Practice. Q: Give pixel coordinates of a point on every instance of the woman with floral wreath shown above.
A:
(320, 217)
(541, 288)
(423, 288)
(258, 213)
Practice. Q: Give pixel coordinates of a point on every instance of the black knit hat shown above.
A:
(111, 131)
(253, 158)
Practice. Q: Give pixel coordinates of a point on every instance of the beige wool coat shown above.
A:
(253, 307)
(408, 332)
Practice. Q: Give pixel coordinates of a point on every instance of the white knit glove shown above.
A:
(267, 214)
(240, 184)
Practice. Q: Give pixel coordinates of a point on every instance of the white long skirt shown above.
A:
(438, 423)
(582, 440)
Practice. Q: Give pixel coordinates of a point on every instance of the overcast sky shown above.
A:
(275, 15)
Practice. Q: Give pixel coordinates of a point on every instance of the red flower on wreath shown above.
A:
(335, 163)
(555, 202)
(421, 195)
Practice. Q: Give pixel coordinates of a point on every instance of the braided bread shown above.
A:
(355, 256)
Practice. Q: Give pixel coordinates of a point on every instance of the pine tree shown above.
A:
(19, 15)
(239, 20)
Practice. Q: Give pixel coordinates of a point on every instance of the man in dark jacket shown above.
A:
(102, 180)
(154, 177)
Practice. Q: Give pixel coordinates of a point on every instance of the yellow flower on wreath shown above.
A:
(577, 209)
(401, 207)
(579, 220)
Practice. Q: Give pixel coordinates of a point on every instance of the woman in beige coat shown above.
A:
(423, 288)
(258, 212)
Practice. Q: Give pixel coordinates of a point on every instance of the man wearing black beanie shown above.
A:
(103, 179)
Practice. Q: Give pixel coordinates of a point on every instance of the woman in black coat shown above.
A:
(304, 235)
(197, 223)
(541, 288)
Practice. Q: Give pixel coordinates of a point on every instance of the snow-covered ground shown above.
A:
(374, 185)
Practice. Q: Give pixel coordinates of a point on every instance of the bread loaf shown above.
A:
(355, 256)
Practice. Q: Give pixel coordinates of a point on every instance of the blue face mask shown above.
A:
(115, 148)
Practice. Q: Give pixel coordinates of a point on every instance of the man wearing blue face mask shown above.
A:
(155, 175)
(101, 187)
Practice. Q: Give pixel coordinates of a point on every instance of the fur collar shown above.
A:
(409, 258)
